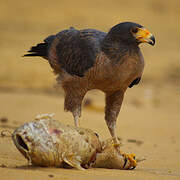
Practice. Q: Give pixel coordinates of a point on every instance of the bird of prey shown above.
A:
(90, 59)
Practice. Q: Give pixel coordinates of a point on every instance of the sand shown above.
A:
(149, 121)
(149, 129)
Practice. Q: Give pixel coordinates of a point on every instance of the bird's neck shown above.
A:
(116, 50)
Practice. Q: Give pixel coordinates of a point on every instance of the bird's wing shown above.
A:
(135, 82)
(76, 50)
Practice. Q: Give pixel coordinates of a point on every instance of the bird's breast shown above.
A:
(109, 76)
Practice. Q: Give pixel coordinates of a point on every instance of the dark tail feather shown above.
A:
(39, 50)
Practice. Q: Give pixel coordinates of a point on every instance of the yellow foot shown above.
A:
(116, 143)
(131, 159)
(116, 146)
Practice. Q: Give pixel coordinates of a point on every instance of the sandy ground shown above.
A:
(147, 120)
(150, 114)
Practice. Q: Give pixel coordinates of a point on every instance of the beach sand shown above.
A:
(149, 121)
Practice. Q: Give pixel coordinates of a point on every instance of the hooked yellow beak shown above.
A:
(143, 36)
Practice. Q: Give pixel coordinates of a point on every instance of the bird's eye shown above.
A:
(134, 30)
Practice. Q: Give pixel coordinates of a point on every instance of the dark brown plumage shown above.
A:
(91, 59)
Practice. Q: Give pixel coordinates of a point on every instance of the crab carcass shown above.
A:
(48, 142)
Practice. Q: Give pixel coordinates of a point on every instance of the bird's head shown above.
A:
(129, 33)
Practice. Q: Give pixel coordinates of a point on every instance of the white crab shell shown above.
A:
(47, 142)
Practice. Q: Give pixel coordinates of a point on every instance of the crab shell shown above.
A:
(47, 142)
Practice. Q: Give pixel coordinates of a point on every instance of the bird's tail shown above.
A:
(40, 49)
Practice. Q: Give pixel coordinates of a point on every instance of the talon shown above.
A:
(132, 168)
(133, 155)
(125, 162)
(131, 159)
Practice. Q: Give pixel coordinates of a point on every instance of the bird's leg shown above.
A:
(113, 105)
(76, 114)
(72, 103)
